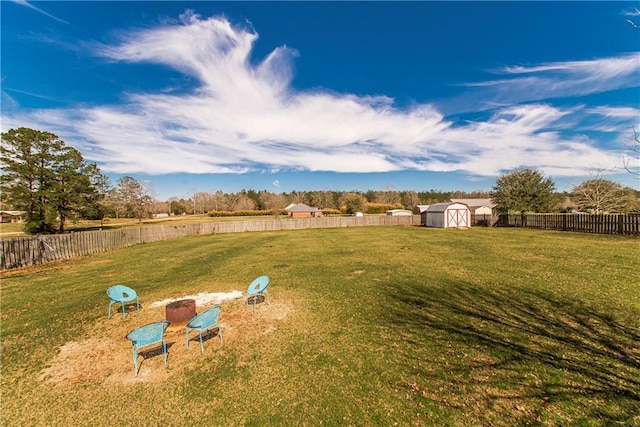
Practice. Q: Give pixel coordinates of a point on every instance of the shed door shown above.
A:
(457, 218)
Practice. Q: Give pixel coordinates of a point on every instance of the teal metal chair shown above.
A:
(122, 294)
(256, 289)
(203, 322)
(145, 336)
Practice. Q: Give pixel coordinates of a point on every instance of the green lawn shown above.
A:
(366, 326)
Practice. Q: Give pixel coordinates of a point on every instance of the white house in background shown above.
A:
(399, 212)
(482, 210)
(448, 215)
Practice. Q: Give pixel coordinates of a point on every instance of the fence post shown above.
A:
(620, 224)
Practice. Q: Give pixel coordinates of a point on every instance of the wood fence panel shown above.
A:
(622, 224)
(27, 251)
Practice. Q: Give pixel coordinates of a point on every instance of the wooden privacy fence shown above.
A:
(585, 223)
(26, 251)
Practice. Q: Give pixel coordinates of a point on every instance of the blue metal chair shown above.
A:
(257, 288)
(122, 294)
(145, 336)
(204, 321)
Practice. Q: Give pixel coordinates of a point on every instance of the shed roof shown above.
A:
(475, 203)
(441, 207)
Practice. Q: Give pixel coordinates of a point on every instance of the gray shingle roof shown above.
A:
(301, 207)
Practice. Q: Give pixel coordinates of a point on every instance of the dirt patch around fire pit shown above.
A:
(106, 356)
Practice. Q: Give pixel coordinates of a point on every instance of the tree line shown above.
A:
(347, 202)
(53, 185)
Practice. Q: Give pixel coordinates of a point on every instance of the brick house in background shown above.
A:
(12, 216)
(300, 210)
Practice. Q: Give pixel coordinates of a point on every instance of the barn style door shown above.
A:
(457, 218)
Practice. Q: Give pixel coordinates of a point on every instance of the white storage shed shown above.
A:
(399, 212)
(448, 215)
(482, 210)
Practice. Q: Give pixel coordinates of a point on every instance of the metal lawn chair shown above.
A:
(257, 288)
(122, 294)
(203, 322)
(145, 336)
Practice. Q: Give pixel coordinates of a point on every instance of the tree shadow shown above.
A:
(539, 347)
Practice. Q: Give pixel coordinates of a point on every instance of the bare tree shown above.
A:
(409, 198)
(200, 202)
(296, 197)
(634, 150)
(231, 201)
(244, 203)
(273, 201)
(599, 195)
(388, 195)
(219, 201)
(322, 199)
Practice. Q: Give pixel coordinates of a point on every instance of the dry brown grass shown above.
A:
(104, 357)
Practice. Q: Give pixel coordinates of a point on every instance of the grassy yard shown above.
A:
(366, 326)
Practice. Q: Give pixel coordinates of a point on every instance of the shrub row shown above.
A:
(246, 213)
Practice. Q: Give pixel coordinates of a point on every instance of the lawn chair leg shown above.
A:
(135, 360)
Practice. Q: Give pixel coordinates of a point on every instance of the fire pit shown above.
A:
(180, 312)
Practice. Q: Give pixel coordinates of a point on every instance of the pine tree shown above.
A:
(48, 180)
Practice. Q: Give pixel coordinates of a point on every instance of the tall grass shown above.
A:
(372, 326)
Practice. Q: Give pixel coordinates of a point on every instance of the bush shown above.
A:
(331, 211)
(246, 213)
(240, 213)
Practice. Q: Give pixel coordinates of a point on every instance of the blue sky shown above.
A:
(283, 96)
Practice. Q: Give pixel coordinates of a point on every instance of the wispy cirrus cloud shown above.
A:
(617, 112)
(37, 9)
(552, 81)
(612, 119)
(631, 12)
(246, 116)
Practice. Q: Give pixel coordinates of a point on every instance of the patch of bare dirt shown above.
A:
(105, 355)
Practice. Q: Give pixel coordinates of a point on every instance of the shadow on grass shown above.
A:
(154, 351)
(129, 308)
(557, 357)
(257, 298)
(206, 336)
